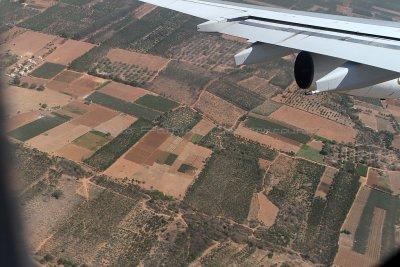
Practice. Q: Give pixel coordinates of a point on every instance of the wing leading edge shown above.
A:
(370, 42)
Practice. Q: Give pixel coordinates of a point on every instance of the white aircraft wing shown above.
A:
(370, 42)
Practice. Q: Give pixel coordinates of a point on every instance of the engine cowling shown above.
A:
(322, 73)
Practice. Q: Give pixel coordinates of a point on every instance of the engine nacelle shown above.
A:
(385, 90)
(322, 73)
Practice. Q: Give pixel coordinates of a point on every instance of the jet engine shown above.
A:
(323, 73)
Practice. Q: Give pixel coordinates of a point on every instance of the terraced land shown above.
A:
(123, 106)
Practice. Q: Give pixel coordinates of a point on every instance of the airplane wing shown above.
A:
(369, 42)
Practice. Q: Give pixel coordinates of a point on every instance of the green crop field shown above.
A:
(275, 128)
(92, 140)
(48, 70)
(310, 153)
(123, 106)
(109, 153)
(37, 127)
(157, 103)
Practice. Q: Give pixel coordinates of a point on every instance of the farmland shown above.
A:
(107, 154)
(123, 106)
(37, 127)
(139, 142)
(275, 128)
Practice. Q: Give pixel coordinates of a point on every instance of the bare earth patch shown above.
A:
(153, 63)
(95, 116)
(116, 125)
(69, 51)
(21, 100)
(74, 152)
(314, 124)
(58, 137)
(124, 92)
(21, 119)
(219, 110)
(29, 43)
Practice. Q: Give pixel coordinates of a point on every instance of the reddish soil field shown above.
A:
(314, 124)
(317, 145)
(203, 127)
(375, 235)
(150, 62)
(263, 210)
(78, 88)
(347, 257)
(68, 76)
(74, 152)
(219, 110)
(124, 92)
(394, 178)
(147, 146)
(175, 90)
(74, 109)
(29, 43)
(69, 51)
(326, 182)
(95, 116)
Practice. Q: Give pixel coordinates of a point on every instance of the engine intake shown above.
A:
(322, 73)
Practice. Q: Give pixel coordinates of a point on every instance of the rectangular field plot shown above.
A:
(275, 128)
(37, 127)
(180, 121)
(377, 202)
(92, 140)
(308, 152)
(123, 106)
(157, 103)
(108, 154)
(48, 70)
(235, 94)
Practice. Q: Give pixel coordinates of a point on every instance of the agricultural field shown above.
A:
(68, 51)
(76, 21)
(13, 13)
(207, 51)
(310, 153)
(122, 91)
(158, 103)
(315, 125)
(108, 154)
(235, 94)
(226, 180)
(37, 127)
(181, 81)
(275, 128)
(179, 121)
(273, 141)
(218, 110)
(48, 70)
(320, 105)
(123, 106)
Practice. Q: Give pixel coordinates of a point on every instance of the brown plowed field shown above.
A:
(116, 125)
(95, 116)
(21, 100)
(74, 152)
(146, 61)
(314, 124)
(21, 119)
(375, 235)
(69, 51)
(58, 137)
(124, 92)
(143, 10)
(29, 43)
(267, 140)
